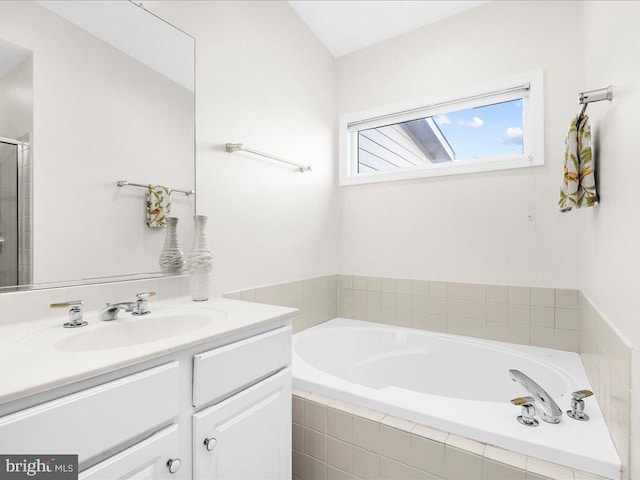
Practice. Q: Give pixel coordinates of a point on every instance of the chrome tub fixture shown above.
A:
(547, 408)
(577, 405)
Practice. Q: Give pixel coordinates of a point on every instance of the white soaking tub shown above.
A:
(457, 384)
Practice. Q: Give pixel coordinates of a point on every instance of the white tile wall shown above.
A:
(316, 298)
(606, 356)
(543, 317)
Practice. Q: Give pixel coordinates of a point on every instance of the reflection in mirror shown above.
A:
(16, 125)
(113, 88)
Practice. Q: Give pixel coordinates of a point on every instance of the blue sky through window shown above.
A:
(487, 131)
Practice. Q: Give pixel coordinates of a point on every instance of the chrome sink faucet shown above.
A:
(545, 405)
(138, 307)
(110, 311)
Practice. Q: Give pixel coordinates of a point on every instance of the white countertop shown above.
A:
(31, 363)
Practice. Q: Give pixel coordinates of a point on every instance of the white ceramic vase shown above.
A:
(200, 262)
(171, 257)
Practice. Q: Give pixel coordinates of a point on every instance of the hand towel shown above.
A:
(158, 206)
(578, 187)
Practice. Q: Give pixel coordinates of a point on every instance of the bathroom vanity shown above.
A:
(187, 391)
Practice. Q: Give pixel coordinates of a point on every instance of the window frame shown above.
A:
(479, 95)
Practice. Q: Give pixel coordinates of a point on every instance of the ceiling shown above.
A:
(135, 32)
(345, 26)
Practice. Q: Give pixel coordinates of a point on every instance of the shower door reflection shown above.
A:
(8, 213)
(15, 220)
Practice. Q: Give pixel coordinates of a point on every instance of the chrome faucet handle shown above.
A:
(75, 313)
(145, 294)
(577, 405)
(142, 307)
(528, 411)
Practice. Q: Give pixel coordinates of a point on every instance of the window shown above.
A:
(492, 127)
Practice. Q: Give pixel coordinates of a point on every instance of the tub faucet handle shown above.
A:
(580, 394)
(528, 411)
(577, 405)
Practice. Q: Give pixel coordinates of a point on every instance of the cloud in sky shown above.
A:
(476, 122)
(513, 135)
(442, 120)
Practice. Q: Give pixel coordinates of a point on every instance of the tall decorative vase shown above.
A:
(171, 257)
(200, 262)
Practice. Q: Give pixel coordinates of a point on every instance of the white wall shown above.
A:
(611, 231)
(262, 79)
(467, 227)
(99, 117)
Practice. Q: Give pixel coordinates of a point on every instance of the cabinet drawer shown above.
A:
(226, 370)
(95, 420)
(145, 460)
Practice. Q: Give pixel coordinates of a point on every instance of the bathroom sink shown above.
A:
(131, 330)
(126, 331)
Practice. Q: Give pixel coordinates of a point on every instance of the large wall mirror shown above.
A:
(91, 93)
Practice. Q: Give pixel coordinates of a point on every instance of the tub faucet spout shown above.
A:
(547, 408)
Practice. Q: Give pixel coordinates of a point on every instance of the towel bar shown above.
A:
(239, 147)
(593, 96)
(596, 95)
(124, 183)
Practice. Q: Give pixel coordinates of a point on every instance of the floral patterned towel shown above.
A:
(578, 187)
(158, 206)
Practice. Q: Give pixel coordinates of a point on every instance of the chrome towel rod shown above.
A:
(239, 147)
(593, 96)
(124, 183)
(596, 95)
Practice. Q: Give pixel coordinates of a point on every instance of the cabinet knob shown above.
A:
(210, 443)
(174, 464)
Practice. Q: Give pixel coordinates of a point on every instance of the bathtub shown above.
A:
(456, 384)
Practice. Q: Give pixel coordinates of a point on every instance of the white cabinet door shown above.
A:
(249, 434)
(146, 460)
